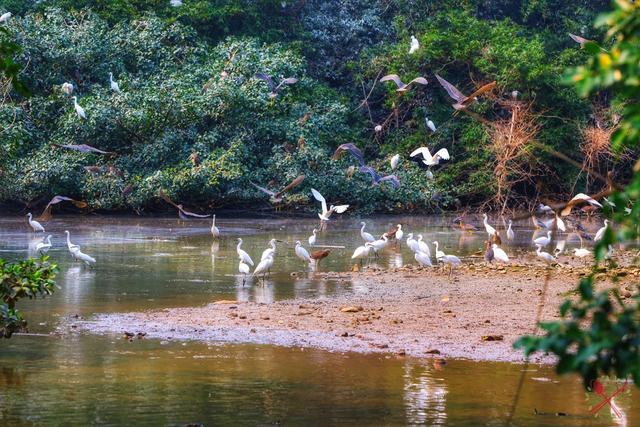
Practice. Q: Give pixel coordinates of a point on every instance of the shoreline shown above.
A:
(410, 311)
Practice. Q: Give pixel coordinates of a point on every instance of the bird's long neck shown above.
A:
(273, 245)
(239, 244)
(68, 239)
(436, 245)
(362, 229)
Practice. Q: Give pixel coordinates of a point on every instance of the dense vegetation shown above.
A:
(193, 120)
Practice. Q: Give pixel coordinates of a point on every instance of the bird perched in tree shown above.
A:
(83, 148)
(463, 101)
(114, 84)
(275, 89)
(46, 213)
(377, 128)
(4, 18)
(79, 110)
(415, 45)
(351, 149)
(580, 40)
(401, 86)
(376, 179)
(177, 3)
(35, 225)
(394, 161)
(67, 88)
(182, 213)
(423, 156)
(430, 124)
(317, 256)
(277, 197)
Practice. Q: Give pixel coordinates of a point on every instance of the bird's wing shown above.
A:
(578, 39)
(352, 149)
(443, 153)
(392, 179)
(46, 213)
(370, 171)
(195, 215)
(419, 80)
(424, 151)
(586, 198)
(319, 197)
(166, 198)
(484, 89)
(394, 78)
(266, 78)
(451, 89)
(340, 208)
(287, 81)
(291, 185)
(264, 190)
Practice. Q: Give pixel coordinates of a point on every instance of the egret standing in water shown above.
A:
(79, 255)
(301, 252)
(42, 247)
(362, 252)
(242, 254)
(367, 237)
(412, 243)
(490, 230)
(263, 267)
(510, 234)
(312, 238)
(72, 248)
(215, 231)
(243, 268)
(35, 224)
(79, 110)
(270, 252)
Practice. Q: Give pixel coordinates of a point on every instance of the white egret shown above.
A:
(42, 247)
(215, 231)
(326, 213)
(439, 253)
(378, 128)
(301, 252)
(581, 252)
(427, 158)
(379, 244)
(429, 174)
(35, 224)
(367, 237)
(4, 18)
(415, 45)
(560, 224)
(422, 246)
(114, 84)
(423, 259)
(546, 256)
(499, 254)
(176, 3)
(399, 233)
(79, 109)
(510, 234)
(79, 255)
(362, 251)
(67, 88)
(490, 230)
(412, 243)
(544, 240)
(243, 268)
(270, 252)
(263, 266)
(394, 161)
(72, 248)
(313, 237)
(242, 254)
(451, 260)
(430, 124)
(600, 233)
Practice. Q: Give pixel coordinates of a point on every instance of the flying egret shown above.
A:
(499, 254)
(401, 86)
(243, 268)
(394, 161)
(301, 252)
(263, 267)
(34, 224)
(415, 45)
(326, 213)
(4, 18)
(367, 237)
(79, 109)
(600, 233)
(412, 243)
(242, 254)
(275, 89)
(430, 124)
(215, 231)
(72, 248)
(42, 247)
(546, 256)
(362, 252)
(422, 246)
(423, 259)
(490, 230)
(544, 240)
(463, 101)
(313, 237)
(424, 156)
(510, 234)
(114, 84)
(67, 88)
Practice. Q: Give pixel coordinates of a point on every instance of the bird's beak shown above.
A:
(280, 241)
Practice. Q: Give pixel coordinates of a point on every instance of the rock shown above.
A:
(432, 351)
(351, 309)
(492, 337)
(226, 301)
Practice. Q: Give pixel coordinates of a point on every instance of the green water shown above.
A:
(153, 263)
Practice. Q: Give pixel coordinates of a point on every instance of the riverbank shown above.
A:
(477, 314)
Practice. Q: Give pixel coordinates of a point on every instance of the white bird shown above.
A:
(560, 244)
(35, 224)
(378, 128)
(544, 240)
(427, 158)
(269, 252)
(394, 161)
(412, 243)
(5, 17)
(609, 254)
(243, 268)
(72, 248)
(581, 252)
(42, 247)
(301, 252)
(490, 230)
(263, 266)
(415, 45)
(78, 254)
(367, 237)
(452, 260)
(326, 213)
(577, 199)
(546, 256)
(379, 244)
(362, 251)
(510, 234)
(215, 231)
(114, 84)
(242, 254)
(176, 3)
(79, 109)
(429, 174)
(312, 238)
(399, 233)
(67, 88)
(439, 253)
(560, 224)
(430, 124)
(423, 259)
(600, 233)
(422, 246)
(499, 254)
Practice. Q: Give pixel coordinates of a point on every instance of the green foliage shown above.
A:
(599, 333)
(8, 67)
(30, 279)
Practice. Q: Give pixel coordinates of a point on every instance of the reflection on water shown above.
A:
(146, 263)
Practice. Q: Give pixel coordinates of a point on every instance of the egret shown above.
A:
(243, 268)
(215, 231)
(362, 252)
(399, 233)
(182, 212)
(422, 246)
(560, 224)
(79, 109)
(263, 267)
(600, 233)
(42, 247)
(176, 3)
(499, 254)
(429, 174)
(317, 256)
(452, 260)
(326, 213)
(242, 254)
(301, 252)
(78, 254)
(275, 89)
(378, 128)
(114, 84)
(430, 124)
(277, 197)
(394, 161)
(439, 253)
(415, 45)
(401, 86)
(379, 244)
(35, 224)
(72, 248)
(412, 243)
(312, 238)
(67, 88)
(367, 237)
(423, 259)
(269, 252)
(424, 156)
(544, 240)
(581, 252)
(510, 234)
(463, 101)
(546, 256)
(490, 230)
(4, 18)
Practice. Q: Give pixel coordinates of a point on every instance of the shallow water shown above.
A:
(146, 263)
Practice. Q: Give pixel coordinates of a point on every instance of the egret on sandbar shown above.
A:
(499, 254)
(423, 259)
(544, 240)
(546, 256)
(600, 232)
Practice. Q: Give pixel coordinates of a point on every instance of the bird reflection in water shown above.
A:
(424, 395)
